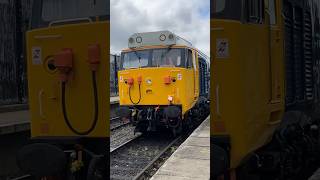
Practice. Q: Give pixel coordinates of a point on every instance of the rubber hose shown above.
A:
(96, 107)
(139, 95)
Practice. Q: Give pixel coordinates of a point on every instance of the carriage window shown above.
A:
(255, 11)
(272, 10)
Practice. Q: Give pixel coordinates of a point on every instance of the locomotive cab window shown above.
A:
(48, 12)
(135, 59)
(218, 5)
(189, 59)
(272, 12)
(167, 57)
(255, 11)
(226, 9)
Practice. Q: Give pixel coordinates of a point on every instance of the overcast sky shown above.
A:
(186, 18)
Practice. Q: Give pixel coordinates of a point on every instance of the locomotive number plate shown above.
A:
(222, 48)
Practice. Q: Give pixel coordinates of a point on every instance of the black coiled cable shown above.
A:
(139, 95)
(96, 107)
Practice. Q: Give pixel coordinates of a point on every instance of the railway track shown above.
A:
(133, 158)
(24, 177)
(115, 123)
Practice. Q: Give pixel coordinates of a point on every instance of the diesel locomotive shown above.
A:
(265, 88)
(67, 61)
(163, 82)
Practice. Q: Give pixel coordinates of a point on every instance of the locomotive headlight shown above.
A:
(139, 39)
(149, 81)
(170, 98)
(162, 37)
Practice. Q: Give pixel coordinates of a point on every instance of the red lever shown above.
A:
(94, 56)
(63, 60)
(167, 80)
(139, 79)
(130, 81)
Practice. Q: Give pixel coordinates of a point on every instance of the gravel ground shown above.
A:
(127, 162)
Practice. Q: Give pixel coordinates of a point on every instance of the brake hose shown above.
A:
(96, 107)
(139, 95)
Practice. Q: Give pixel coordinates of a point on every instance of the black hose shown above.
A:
(96, 107)
(139, 95)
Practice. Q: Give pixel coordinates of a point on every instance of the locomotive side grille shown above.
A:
(203, 77)
(307, 46)
(298, 54)
(289, 61)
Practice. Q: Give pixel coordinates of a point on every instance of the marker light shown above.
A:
(162, 37)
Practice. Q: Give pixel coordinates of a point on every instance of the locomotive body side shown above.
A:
(265, 103)
(247, 84)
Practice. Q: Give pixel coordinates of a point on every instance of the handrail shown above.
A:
(69, 20)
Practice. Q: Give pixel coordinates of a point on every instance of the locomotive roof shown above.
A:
(164, 38)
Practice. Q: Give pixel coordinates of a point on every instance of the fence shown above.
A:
(114, 67)
(14, 20)
(14, 15)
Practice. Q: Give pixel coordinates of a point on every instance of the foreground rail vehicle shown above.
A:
(265, 88)
(68, 56)
(163, 82)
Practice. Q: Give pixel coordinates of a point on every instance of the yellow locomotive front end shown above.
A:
(159, 81)
(68, 56)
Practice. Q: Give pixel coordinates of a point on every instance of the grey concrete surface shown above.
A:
(16, 121)
(191, 160)
(315, 176)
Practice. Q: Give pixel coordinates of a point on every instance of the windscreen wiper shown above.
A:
(137, 55)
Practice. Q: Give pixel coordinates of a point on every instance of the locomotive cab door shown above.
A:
(196, 74)
(275, 47)
(191, 74)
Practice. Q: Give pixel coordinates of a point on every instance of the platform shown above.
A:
(15, 121)
(315, 176)
(114, 100)
(191, 160)
(18, 120)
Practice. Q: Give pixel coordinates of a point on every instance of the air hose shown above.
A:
(96, 107)
(139, 95)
